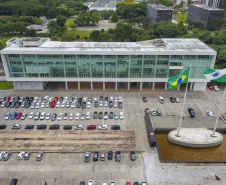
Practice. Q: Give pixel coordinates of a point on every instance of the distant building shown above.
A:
(44, 20)
(215, 3)
(179, 1)
(204, 14)
(197, 2)
(103, 5)
(158, 12)
(40, 28)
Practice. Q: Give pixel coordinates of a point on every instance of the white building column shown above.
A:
(128, 85)
(165, 86)
(178, 88)
(103, 85)
(78, 85)
(116, 84)
(153, 86)
(141, 84)
(91, 85)
(191, 84)
(66, 87)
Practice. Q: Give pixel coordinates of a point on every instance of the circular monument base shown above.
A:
(195, 138)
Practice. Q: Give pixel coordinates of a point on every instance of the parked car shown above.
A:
(172, 99)
(2, 126)
(116, 116)
(161, 100)
(100, 115)
(78, 105)
(82, 116)
(65, 116)
(215, 88)
(95, 156)
(29, 127)
(143, 183)
(13, 182)
(112, 183)
(88, 105)
(115, 127)
(87, 157)
(54, 116)
(2, 155)
(132, 156)
(91, 127)
(52, 105)
(209, 113)
(7, 156)
(42, 116)
(17, 105)
(117, 156)
(191, 112)
(13, 115)
(39, 156)
(31, 115)
(20, 156)
(115, 104)
(3, 104)
(71, 116)
(19, 114)
(26, 105)
(67, 127)
(110, 155)
(37, 105)
(110, 104)
(7, 116)
(121, 116)
(57, 104)
(102, 156)
(67, 104)
(144, 99)
(60, 116)
(41, 127)
(95, 104)
(120, 105)
(111, 115)
(153, 112)
(54, 127)
(37, 115)
(87, 116)
(101, 103)
(12, 105)
(73, 105)
(211, 87)
(177, 100)
(103, 127)
(77, 116)
(95, 115)
(23, 116)
(16, 126)
(48, 116)
(90, 182)
(79, 127)
(27, 155)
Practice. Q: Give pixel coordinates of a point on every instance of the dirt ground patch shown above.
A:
(66, 141)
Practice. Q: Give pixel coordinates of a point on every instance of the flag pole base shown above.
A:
(213, 135)
(178, 135)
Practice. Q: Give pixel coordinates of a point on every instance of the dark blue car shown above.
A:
(13, 115)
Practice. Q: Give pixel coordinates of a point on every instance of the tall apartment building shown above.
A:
(158, 12)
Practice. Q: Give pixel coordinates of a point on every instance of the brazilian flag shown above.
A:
(175, 81)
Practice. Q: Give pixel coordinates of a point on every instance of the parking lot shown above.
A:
(69, 168)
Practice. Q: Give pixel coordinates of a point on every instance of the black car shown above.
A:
(29, 99)
(17, 104)
(115, 127)
(117, 156)
(95, 104)
(106, 98)
(111, 115)
(61, 99)
(83, 105)
(100, 115)
(136, 183)
(12, 105)
(110, 155)
(101, 98)
(80, 100)
(95, 115)
(29, 127)
(54, 116)
(17, 99)
(132, 156)
(78, 105)
(2, 126)
(110, 104)
(145, 99)
(191, 112)
(119, 104)
(95, 156)
(41, 127)
(67, 127)
(147, 111)
(13, 182)
(27, 105)
(172, 99)
(82, 183)
(7, 104)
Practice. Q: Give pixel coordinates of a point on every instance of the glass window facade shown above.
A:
(105, 66)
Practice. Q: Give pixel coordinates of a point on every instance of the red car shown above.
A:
(52, 105)
(211, 87)
(54, 127)
(7, 98)
(128, 183)
(91, 127)
(55, 99)
(19, 114)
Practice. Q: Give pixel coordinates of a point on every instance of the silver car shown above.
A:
(48, 116)
(71, 116)
(7, 116)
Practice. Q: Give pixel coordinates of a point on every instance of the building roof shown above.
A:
(104, 3)
(159, 7)
(206, 7)
(167, 46)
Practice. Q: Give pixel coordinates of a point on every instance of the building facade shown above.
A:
(31, 63)
(204, 14)
(158, 12)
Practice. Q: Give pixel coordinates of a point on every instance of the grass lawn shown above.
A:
(69, 21)
(182, 17)
(6, 85)
(82, 33)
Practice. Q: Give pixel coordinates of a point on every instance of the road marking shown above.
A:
(162, 109)
(141, 103)
(199, 106)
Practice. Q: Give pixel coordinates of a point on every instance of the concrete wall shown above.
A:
(29, 85)
(199, 86)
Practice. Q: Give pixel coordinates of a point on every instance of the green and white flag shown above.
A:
(218, 75)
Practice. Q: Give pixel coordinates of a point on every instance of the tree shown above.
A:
(53, 27)
(216, 24)
(61, 20)
(114, 17)
(37, 20)
(119, 32)
(85, 19)
(30, 32)
(95, 35)
(105, 14)
(77, 37)
(73, 25)
(196, 24)
(102, 30)
(68, 37)
(133, 37)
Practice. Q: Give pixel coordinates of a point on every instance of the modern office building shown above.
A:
(32, 62)
(204, 14)
(215, 3)
(158, 12)
(103, 5)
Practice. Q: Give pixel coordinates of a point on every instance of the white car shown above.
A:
(116, 116)
(153, 112)
(31, 115)
(71, 116)
(42, 105)
(143, 183)
(103, 127)
(67, 104)
(87, 116)
(63, 104)
(37, 115)
(32, 105)
(121, 116)
(35, 99)
(48, 116)
(3, 104)
(22, 104)
(84, 99)
(95, 99)
(79, 127)
(88, 105)
(209, 113)
(112, 183)
(51, 99)
(47, 104)
(161, 99)
(7, 116)
(45, 99)
(76, 99)
(215, 88)
(73, 104)
(82, 116)
(37, 105)
(177, 100)
(119, 99)
(105, 104)
(58, 104)
(21, 99)
(65, 99)
(2, 155)
(90, 182)
(60, 116)
(42, 116)
(16, 126)
(77, 116)
(23, 116)
(20, 156)
(115, 104)
(105, 115)
(101, 103)
(40, 100)
(111, 98)
(65, 116)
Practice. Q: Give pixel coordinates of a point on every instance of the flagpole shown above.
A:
(185, 94)
(215, 126)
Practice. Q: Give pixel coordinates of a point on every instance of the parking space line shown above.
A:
(141, 103)
(162, 109)
(123, 110)
(198, 105)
